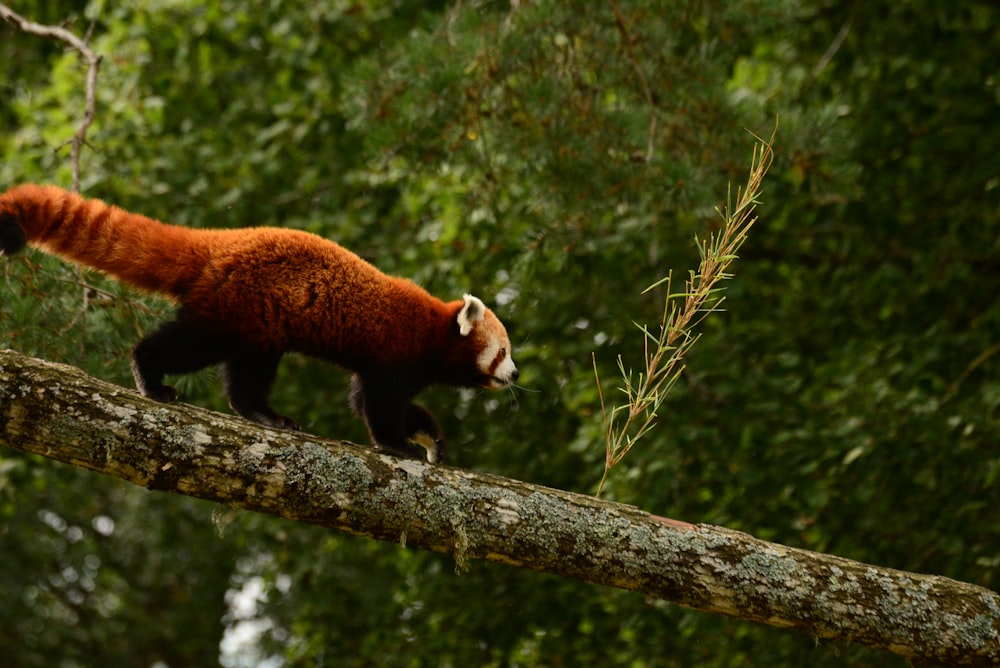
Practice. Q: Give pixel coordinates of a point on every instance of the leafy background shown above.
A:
(848, 400)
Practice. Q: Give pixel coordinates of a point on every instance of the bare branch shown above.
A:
(79, 140)
(832, 49)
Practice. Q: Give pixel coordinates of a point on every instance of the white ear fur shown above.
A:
(471, 313)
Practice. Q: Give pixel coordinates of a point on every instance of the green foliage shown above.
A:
(846, 401)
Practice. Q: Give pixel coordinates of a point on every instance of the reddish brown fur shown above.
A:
(328, 296)
(249, 295)
(130, 247)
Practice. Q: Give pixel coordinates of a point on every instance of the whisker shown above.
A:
(523, 388)
(512, 395)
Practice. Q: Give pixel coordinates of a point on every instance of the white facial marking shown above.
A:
(496, 362)
(485, 360)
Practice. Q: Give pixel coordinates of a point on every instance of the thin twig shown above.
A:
(972, 366)
(93, 61)
(646, 91)
(79, 139)
(831, 50)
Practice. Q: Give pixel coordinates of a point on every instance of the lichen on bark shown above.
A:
(59, 412)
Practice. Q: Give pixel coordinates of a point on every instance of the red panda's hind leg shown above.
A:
(247, 380)
(177, 347)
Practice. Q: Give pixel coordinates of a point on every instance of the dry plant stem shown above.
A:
(625, 424)
(79, 139)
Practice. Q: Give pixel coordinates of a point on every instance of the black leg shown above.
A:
(177, 347)
(382, 402)
(247, 380)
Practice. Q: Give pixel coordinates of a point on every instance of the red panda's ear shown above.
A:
(472, 312)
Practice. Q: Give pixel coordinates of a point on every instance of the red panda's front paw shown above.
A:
(274, 420)
(164, 393)
(287, 423)
(407, 451)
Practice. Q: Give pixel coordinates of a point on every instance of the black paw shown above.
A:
(404, 453)
(287, 423)
(410, 451)
(272, 419)
(164, 393)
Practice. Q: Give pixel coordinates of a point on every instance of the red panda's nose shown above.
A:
(514, 375)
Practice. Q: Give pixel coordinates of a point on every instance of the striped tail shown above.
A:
(132, 248)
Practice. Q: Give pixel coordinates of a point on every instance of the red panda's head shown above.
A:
(485, 337)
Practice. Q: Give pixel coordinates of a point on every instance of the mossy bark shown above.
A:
(61, 413)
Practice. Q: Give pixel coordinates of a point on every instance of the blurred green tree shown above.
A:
(555, 159)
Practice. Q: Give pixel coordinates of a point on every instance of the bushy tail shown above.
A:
(132, 248)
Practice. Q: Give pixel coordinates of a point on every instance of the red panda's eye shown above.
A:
(503, 353)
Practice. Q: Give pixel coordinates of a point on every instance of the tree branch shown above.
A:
(79, 139)
(627, 41)
(59, 412)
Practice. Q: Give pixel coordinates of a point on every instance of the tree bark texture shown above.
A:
(59, 412)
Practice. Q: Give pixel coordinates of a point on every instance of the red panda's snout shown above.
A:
(497, 365)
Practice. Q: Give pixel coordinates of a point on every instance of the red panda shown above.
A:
(247, 296)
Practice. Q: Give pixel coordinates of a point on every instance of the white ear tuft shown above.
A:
(471, 313)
